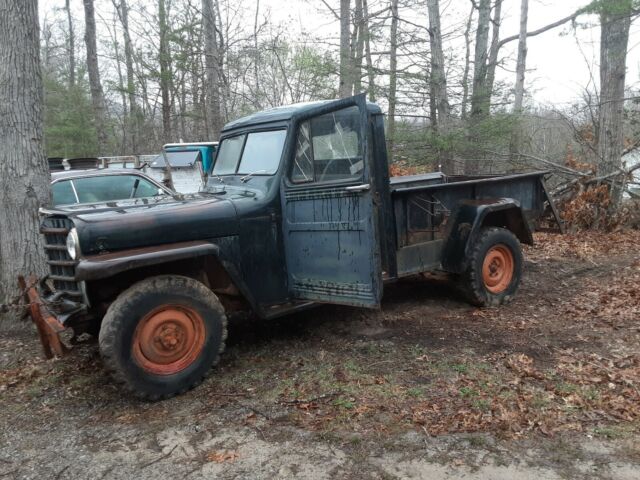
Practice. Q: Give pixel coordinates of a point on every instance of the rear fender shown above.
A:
(469, 217)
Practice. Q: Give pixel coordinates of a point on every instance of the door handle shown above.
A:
(358, 188)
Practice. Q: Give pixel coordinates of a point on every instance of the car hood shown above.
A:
(134, 223)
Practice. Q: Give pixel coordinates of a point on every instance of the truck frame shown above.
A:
(298, 210)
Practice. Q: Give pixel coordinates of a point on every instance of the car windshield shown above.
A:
(177, 159)
(254, 153)
(103, 188)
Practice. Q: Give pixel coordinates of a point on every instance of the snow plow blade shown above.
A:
(49, 328)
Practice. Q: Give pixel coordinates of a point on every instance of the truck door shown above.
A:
(329, 214)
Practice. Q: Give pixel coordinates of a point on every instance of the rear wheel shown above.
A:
(162, 336)
(494, 268)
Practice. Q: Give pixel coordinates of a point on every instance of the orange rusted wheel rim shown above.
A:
(169, 339)
(497, 269)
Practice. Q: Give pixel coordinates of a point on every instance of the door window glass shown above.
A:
(146, 189)
(113, 187)
(329, 148)
(62, 193)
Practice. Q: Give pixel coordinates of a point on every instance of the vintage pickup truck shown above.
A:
(298, 210)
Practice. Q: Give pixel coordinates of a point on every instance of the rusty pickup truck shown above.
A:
(298, 210)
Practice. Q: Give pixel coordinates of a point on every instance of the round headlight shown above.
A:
(73, 246)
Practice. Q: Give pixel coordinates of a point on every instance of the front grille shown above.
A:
(61, 267)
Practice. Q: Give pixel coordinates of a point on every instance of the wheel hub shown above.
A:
(169, 339)
(498, 269)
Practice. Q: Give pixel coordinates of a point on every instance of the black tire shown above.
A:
(473, 284)
(119, 335)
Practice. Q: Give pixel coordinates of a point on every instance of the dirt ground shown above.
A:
(429, 387)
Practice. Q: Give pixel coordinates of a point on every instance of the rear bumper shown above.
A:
(48, 325)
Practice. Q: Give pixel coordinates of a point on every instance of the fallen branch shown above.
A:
(310, 400)
(166, 455)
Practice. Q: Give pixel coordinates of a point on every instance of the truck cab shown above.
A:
(298, 210)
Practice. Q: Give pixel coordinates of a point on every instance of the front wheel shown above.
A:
(161, 336)
(494, 268)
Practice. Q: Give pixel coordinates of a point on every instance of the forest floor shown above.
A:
(428, 387)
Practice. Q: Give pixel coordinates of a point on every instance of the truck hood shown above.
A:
(133, 223)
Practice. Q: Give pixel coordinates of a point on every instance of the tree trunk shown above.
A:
(479, 92)
(97, 96)
(614, 38)
(371, 88)
(24, 175)
(393, 66)
(521, 64)
(494, 50)
(123, 96)
(346, 81)
(165, 79)
(467, 61)
(439, 78)
(134, 113)
(71, 46)
(359, 48)
(256, 60)
(212, 71)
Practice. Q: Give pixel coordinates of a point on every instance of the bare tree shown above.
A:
(24, 176)
(479, 92)
(212, 70)
(71, 45)
(358, 50)
(494, 51)
(97, 95)
(439, 79)
(371, 88)
(393, 77)
(134, 113)
(438, 75)
(467, 61)
(615, 22)
(521, 63)
(165, 75)
(346, 79)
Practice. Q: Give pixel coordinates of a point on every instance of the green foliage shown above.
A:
(612, 7)
(420, 146)
(69, 131)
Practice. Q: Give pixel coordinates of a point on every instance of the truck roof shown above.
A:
(283, 113)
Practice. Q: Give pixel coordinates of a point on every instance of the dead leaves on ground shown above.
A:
(222, 456)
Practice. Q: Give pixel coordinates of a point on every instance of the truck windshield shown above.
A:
(254, 153)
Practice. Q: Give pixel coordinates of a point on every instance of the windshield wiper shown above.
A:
(246, 178)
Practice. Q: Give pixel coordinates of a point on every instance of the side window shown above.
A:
(329, 148)
(104, 188)
(146, 189)
(62, 193)
(303, 161)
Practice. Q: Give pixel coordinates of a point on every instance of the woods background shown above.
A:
(168, 70)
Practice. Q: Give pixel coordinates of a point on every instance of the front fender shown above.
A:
(470, 217)
(96, 267)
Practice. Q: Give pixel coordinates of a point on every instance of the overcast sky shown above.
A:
(556, 67)
(558, 62)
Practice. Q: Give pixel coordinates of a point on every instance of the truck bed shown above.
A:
(422, 204)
